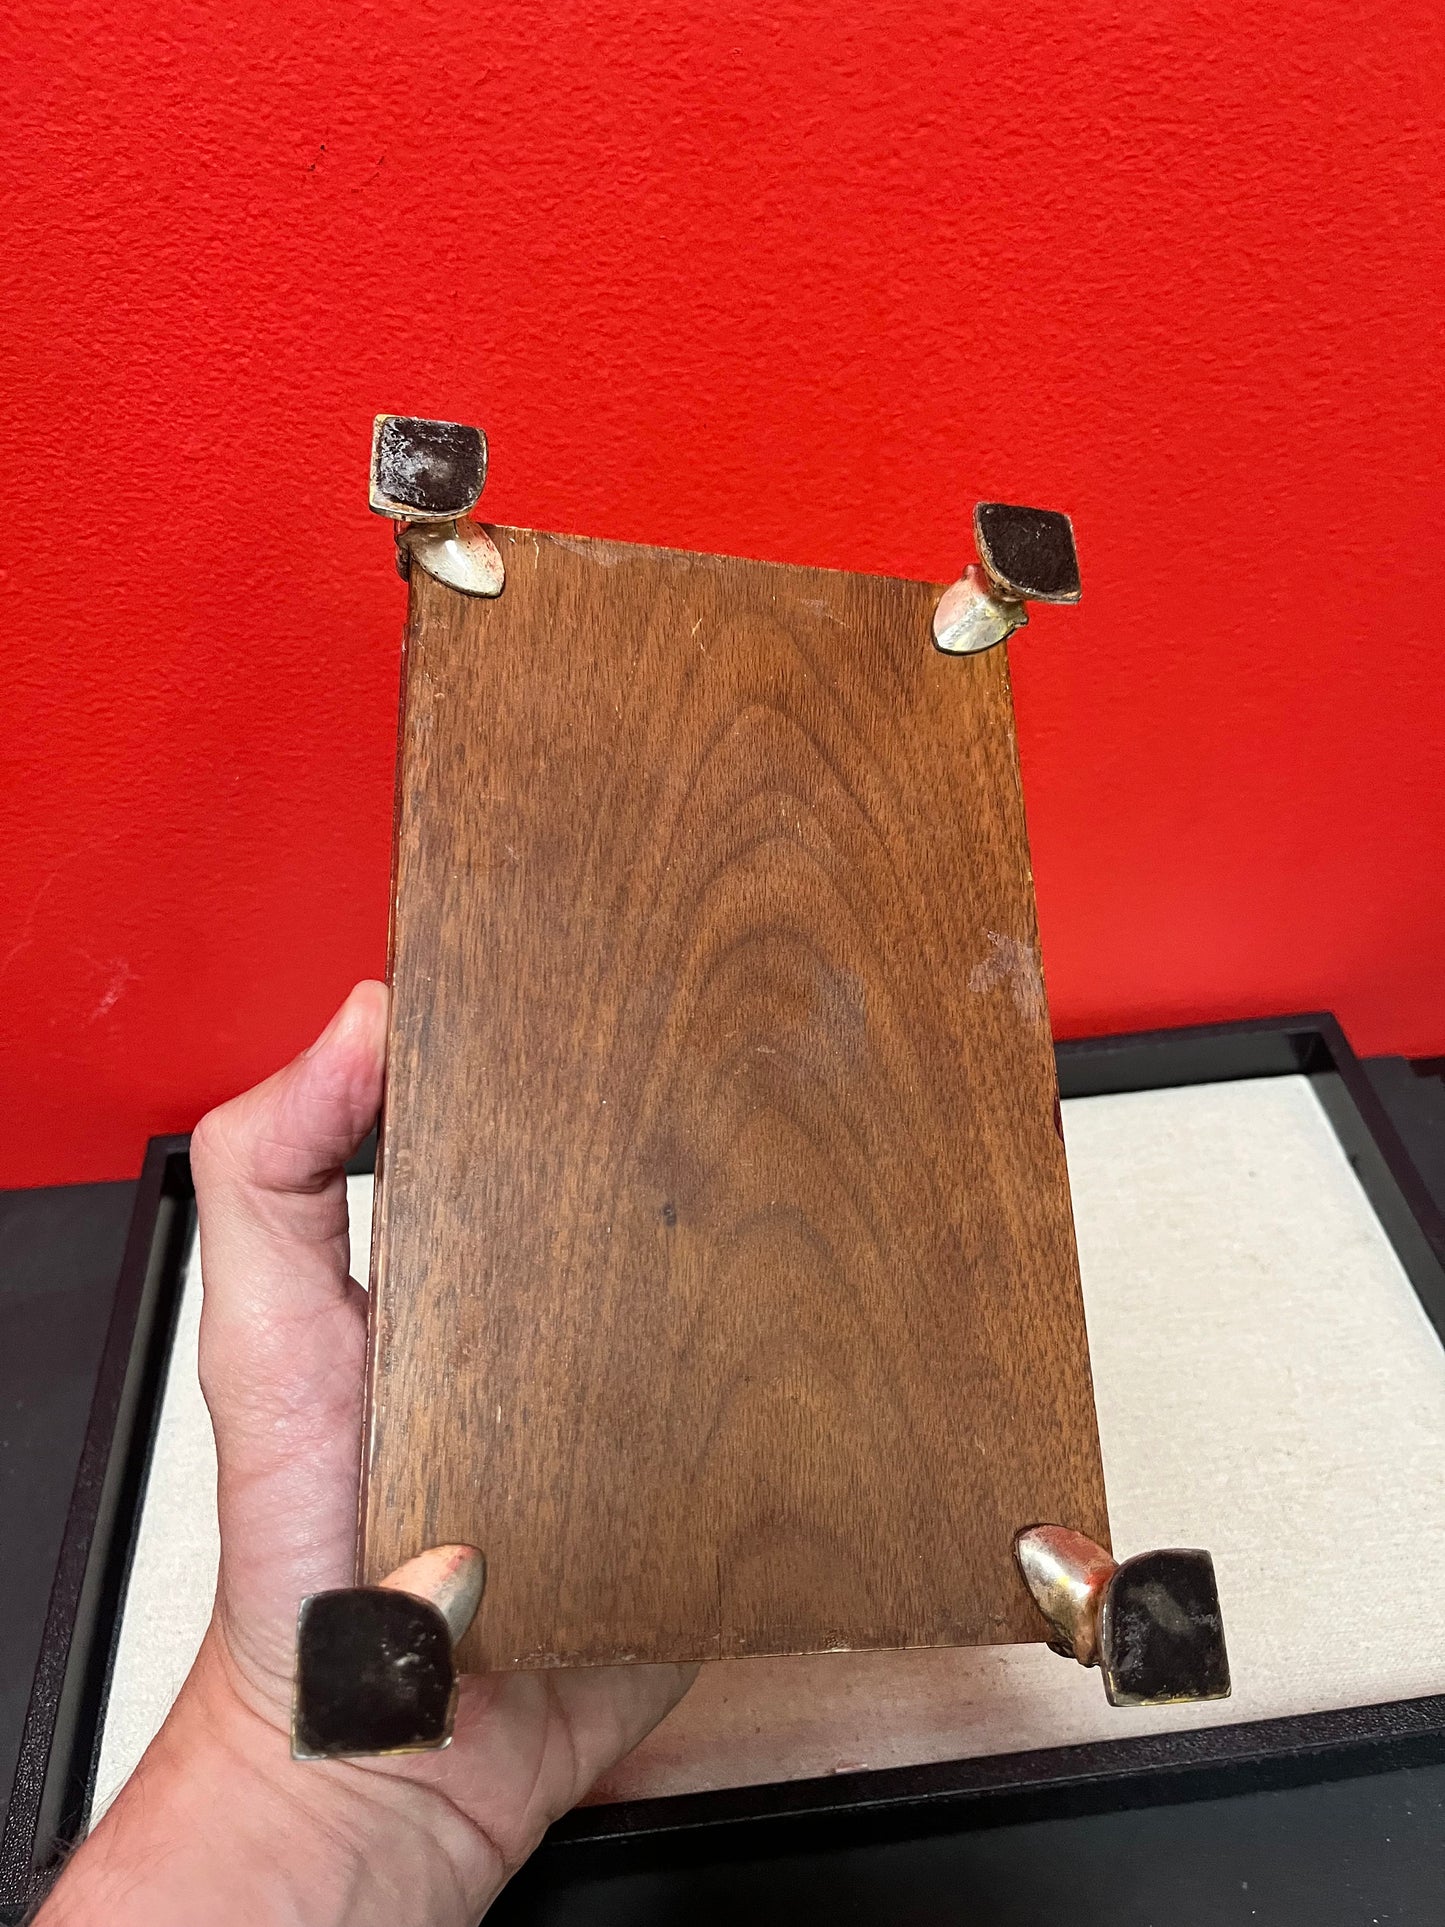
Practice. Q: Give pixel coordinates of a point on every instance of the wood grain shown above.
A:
(724, 1282)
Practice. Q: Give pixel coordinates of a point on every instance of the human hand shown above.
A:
(218, 1822)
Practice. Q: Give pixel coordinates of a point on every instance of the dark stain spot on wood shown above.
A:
(669, 1214)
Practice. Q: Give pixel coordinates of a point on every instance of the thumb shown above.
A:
(283, 1328)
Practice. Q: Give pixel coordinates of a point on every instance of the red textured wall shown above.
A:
(793, 280)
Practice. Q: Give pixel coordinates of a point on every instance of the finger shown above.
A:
(269, 1165)
(283, 1335)
(451, 1578)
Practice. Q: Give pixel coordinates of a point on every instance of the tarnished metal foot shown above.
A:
(1025, 555)
(375, 1671)
(1151, 1624)
(427, 477)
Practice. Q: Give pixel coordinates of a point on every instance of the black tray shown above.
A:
(588, 1852)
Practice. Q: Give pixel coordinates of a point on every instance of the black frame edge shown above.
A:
(55, 1770)
(1196, 1054)
(1002, 1788)
(1403, 1202)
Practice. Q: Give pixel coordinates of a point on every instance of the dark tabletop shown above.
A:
(1352, 1853)
(60, 1252)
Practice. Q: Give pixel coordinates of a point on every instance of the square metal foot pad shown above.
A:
(374, 1674)
(1161, 1635)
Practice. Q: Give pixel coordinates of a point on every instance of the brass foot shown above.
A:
(375, 1666)
(427, 477)
(1025, 555)
(1151, 1624)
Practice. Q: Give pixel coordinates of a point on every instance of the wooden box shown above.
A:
(724, 1286)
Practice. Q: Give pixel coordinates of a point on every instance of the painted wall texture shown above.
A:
(799, 281)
